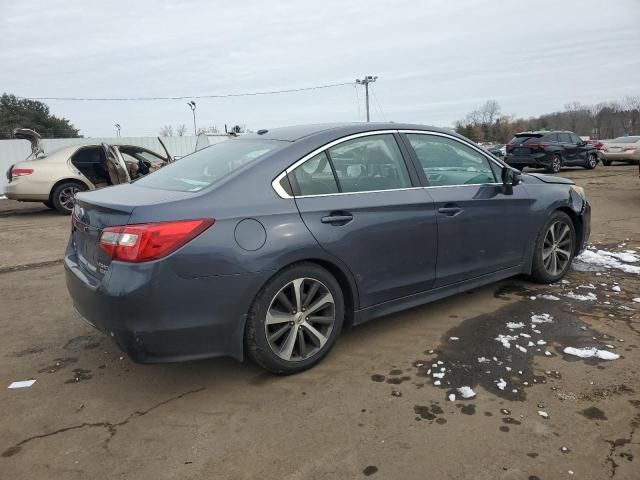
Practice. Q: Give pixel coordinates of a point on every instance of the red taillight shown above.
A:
(19, 172)
(150, 241)
(537, 145)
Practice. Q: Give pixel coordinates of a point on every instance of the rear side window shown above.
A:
(314, 177)
(87, 156)
(209, 165)
(551, 137)
(369, 163)
(564, 138)
(449, 162)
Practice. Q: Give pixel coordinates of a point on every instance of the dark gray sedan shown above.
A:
(269, 244)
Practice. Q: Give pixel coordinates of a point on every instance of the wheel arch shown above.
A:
(577, 225)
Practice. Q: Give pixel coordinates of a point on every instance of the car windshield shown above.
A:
(209, 165)
(626, 140)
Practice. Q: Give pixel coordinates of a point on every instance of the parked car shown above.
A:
(55, 178)
(499, 150)
(267, 245)
(621, 149)
(550, 150)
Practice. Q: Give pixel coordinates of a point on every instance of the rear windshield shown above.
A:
(209, 165)
(525, 138)
(626, 140)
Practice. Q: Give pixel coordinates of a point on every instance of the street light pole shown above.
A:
(117, 125)
(366, 81)
(192, 106)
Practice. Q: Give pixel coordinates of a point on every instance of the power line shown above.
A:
(355, 87)
(378, 106)
(185, 97)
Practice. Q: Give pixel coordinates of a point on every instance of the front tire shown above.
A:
(591, 162)
(556, 164)
(554, 249)
(295, 319)
(63, 195)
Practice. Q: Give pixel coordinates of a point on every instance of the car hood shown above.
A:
(33, 137)
(551, 178)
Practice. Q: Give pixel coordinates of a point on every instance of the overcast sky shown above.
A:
(436, 60)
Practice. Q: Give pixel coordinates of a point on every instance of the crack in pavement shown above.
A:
(30, 266)
(111, 427)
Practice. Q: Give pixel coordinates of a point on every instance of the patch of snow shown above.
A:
(501, 384)
(542, 318)
(589, 286)
(522, 349)
(611, 260)
(591, 352)
(525, 335)
(483, 360)
(466, 392)
(437, 382)
(515, 325)
(616, 288)
(506, 340)
(453, 339)
(541, 342)
(547, 353)
(543, 414)
(532, 298)
(637, 300)
(438, 375)
(549, 297)
(452, 397)
(588, 297)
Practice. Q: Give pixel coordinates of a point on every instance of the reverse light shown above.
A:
(150, 241)
(20, 172)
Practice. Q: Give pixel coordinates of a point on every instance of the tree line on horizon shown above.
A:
(600, 121)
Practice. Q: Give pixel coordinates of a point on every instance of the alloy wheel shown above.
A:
(592, 161)
(557, 248)
(300, 319)
(556, 164)
(66, 195)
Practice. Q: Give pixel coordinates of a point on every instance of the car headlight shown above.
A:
(579, 191)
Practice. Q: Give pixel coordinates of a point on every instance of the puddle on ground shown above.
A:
(59, 364)
(27, 351)
(593, 413)
(79, 375)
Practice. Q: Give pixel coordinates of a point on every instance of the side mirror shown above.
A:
(511, 177)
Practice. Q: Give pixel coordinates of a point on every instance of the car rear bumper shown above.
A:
(621, 156)
(155, 316)
(20, 191)
(534, 160)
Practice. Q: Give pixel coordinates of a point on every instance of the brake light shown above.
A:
(150, 241)
(19, 172)
(537, 145)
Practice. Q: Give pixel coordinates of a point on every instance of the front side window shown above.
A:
(564, 138)
(369, 163)
(576, 140)
(209, 165)
(448, 162)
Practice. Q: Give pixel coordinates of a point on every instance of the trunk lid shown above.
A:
(34, 139)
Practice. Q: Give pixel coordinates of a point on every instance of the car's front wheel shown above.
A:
(295, 319)
(556, 164)
(591, 162)
(63, 195)
(554, 249)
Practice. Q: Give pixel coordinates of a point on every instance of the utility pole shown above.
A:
(192, 106)
(117, 125)
(366, 81)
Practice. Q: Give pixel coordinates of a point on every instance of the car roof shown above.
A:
(298, 132)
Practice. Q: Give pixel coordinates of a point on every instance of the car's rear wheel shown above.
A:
(295, 319)
(591, 162)
(554, 249)
(556, 164)
(49, 205)
(63, 195)
(606, 163)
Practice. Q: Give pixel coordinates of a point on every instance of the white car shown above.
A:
(622, 149)
(55, 178)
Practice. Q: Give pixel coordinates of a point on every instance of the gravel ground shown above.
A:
(371, 409)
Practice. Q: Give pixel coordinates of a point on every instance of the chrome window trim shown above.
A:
(283, 194)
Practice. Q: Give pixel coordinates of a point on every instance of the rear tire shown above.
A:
(591, 162)
(279, 336)
(556, 164)
(49, 205)
(62, 196)
(606, 163)
(554, 249)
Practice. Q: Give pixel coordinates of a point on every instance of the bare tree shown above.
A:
(181, 130)
(166, 131)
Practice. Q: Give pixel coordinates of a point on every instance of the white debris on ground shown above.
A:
(542, 318)
(501, 384)
(588, 297)
(453, 339)
(438, 375)
(483, 360)
(522, 349)
(637, 300)
(452, 397)
(466, 392)
(591, 352)
(515, 325)
(506, 340)
(604, 258)
(616, 288)
(22, 384)
(548, 297)
(543, 414)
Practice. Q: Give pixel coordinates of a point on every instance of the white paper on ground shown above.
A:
(22, 384)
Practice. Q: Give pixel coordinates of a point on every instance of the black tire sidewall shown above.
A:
(255, 335)
(553, 158)
(538, 272)
(56, 194)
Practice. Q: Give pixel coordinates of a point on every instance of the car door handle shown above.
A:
(450, 211)
(336, 219)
